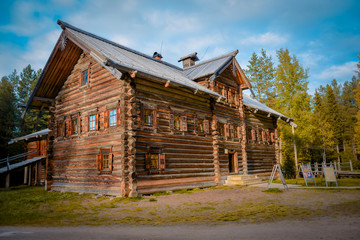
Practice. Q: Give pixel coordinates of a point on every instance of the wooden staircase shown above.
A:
(242, 180)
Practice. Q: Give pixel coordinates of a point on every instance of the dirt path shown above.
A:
(321, 228)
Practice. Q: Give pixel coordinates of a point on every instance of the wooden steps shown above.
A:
(242, 180)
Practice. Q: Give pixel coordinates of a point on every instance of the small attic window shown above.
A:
(84, 77)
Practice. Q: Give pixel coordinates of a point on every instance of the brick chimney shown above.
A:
(157, 56)
(189, 60)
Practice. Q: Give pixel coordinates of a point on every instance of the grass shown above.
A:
(34, 206)
(342, 182)
(273, 190)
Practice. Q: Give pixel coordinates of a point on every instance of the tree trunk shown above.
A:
(338, 152)
(354, 149)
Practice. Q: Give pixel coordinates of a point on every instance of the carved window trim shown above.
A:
(155, 160)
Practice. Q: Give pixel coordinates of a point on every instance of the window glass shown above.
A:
(84, 77)
(154, 158)
(200, 125)
(235, 131)
(60, 129)
(105, 161)
(92, 122)
(113, 118)
(177, 122)
(74, 126)
(221, 129)
(148, 117)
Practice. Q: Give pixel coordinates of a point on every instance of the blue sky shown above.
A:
(324, 35)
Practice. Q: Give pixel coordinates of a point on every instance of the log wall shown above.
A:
(72, 163)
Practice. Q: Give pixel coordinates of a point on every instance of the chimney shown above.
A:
(157, 56)
(189, 60)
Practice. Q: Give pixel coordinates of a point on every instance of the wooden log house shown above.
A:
(125, 123)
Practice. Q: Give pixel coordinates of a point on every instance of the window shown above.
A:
(231, 97)
(148, 117)
(155, 160)
(177, 122)
(200, 125)
(235, 132)
(104, 160)
(73, 127)
(84, 77)
(60, 127)
(221, 129)
(92, 120)
(113, 118)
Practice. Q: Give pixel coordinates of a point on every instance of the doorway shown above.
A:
(231, 163)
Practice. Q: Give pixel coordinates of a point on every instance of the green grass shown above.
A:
(342, 182)
(273, 190)
(34, 206)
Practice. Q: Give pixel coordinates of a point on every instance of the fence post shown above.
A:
(351, 167)
(339, 167)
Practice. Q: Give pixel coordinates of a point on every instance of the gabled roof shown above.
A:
(209, 67)
(118, 59)
(127, 59)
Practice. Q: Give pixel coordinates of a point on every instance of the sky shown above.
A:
(323, 35)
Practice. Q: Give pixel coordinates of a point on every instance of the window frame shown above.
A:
(92, 128)
(105, 165)
(148, 117)
(86, 73)
(113, 118)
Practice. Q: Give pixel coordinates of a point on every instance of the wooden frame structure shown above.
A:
(175, 128)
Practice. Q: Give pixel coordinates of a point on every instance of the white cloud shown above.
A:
(311, 59)
(266, 39)
(339, 72)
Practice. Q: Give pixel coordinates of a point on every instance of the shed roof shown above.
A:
(31, 135)
(256, 105)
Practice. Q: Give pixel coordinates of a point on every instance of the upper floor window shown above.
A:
(177, 122)
(148, 117)
(200, 125)
(92, 120)
(113, 118)
(73, 126)
(221, 129)
(84, 77)
(235, 132)
(60, 129)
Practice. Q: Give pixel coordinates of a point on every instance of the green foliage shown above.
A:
(15, 91)
(260, 73)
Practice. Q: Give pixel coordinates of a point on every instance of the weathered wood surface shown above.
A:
(192, 158)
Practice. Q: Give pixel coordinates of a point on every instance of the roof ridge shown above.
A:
(233, 53)
(64, 25)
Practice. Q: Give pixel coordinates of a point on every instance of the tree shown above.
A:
(34, 120)
(293, 100)
(7, 113)
(261, 73)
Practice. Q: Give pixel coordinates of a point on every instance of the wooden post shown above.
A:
(7, 181)
(38, 173)
(243, 133)
(294, 142)
(25, 175)
(29, 181)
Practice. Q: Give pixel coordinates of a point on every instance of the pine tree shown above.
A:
(260, 72)
(293, 100)
(7, 113)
